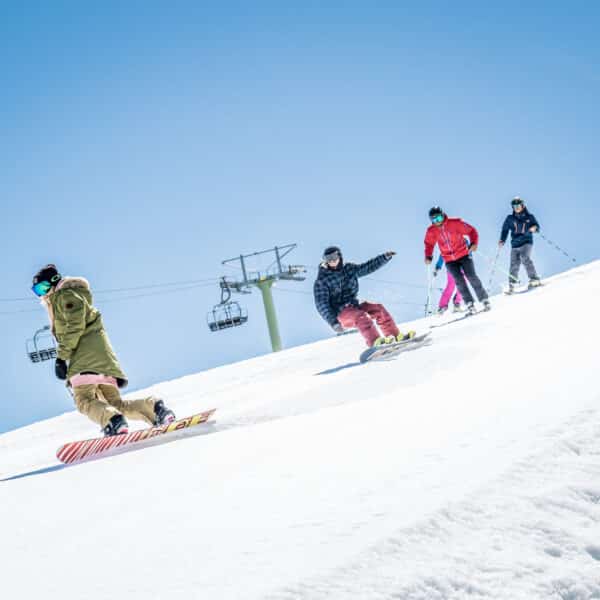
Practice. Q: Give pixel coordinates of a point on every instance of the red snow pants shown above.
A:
(362, 317)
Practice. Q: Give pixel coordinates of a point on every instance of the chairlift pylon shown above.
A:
(41, 346)
(228, 313)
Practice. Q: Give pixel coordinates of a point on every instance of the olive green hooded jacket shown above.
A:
(78, 329)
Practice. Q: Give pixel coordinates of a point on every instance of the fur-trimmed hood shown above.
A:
(64, 283)
(73, 282)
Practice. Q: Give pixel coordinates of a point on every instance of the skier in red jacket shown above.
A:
(449, 234)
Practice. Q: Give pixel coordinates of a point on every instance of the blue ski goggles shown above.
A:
(437, 219)
(41, 288)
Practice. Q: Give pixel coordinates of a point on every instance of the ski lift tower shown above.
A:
(264, 280)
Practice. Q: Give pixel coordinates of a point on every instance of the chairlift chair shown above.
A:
(228, 313)
(42, 346)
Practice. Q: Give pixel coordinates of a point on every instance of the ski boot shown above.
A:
(402, 337)
(162, 415)
(116, 426)
(533, 283)
(382, 340)
(457, 308)
(471, 310)
(486, 305)
(441, 310)
(510, 290)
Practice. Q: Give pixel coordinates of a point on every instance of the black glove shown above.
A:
(337, 327)
(60, 368)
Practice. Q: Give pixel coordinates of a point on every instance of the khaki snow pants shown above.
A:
(102, 402)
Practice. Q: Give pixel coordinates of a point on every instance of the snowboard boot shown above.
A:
(116, 426)
(471, 310)
(163, 415)
(486, 305)
(402, 337)
(533, 283)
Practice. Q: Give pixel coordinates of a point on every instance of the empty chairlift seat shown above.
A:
(41, 346)
(226, 315)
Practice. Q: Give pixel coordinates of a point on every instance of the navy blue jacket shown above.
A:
(336, 289)
(519, 225)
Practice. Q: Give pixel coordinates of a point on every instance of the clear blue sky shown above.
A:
(144, 142)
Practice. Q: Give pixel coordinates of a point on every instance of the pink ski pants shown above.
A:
(448, 291)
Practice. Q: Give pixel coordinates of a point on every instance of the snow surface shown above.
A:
(469, 468)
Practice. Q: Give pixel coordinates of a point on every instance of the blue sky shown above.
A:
(144, 142)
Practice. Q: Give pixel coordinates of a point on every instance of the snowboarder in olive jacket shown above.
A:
(336, 290)
(85, 357)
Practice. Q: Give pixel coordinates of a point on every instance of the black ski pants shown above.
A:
(463, 270)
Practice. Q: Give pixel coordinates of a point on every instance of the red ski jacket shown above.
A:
(449, 237)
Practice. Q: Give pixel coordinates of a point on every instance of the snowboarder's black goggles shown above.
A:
(517, 203)
(437, 218)
(41, 288)
(331, 256)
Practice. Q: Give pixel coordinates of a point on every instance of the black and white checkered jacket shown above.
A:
(336, 289)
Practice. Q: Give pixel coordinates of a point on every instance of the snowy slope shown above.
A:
(469, 468)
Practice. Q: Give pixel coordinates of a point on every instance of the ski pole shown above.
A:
(429, 286)
(493, 270)
(557, 247)
(510, 276)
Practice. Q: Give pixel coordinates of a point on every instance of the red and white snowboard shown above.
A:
(85, 449)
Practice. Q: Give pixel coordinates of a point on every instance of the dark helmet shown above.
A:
(434, 211)
(48, 273)
(331, 253)
(516, 201)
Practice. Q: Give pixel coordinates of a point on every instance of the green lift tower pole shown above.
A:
(265, 287)
(264, 281)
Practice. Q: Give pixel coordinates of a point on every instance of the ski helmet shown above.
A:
(331, 253)
(45, 279)
(48, 273)
(516, 201)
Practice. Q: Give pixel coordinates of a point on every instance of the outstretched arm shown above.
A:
(372, 265)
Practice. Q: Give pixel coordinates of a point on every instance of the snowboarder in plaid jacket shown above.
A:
(336, 290)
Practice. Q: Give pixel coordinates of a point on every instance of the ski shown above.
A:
(86, 449)
(460, 318)
(390, 350)
(522, 290)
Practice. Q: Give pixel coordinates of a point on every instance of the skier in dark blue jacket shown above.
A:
(522, 225)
